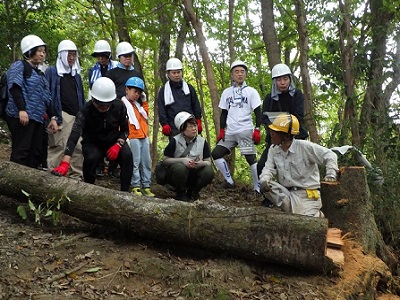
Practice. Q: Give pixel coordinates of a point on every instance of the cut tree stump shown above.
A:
(255, 233)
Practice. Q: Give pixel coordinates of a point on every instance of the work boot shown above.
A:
(136, 191)
(147, 192)
(267, 203)
(181, 196)
(228, 186)
(193, 195)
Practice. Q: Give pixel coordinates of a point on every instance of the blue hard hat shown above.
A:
(135, 82)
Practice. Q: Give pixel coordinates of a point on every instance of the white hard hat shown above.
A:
(280, 70)
(124, 48)
(181, 118)
(101, 46)
(67, 45)
(173, 64)
(31, 41)
(103, 90)
(238, 63)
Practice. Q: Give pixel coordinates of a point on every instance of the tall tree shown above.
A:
(305, 75)
(201, 40)
(269, 33)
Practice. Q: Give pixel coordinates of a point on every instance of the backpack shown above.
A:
(4, 87)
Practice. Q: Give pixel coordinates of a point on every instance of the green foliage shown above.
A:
(47, 210)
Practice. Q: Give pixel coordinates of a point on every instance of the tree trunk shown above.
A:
(255, 233)
(305, 76)
(347, 46)
(201, 40)
(269, 33)
(348, 206)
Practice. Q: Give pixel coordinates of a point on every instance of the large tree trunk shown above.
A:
(269, 33)
(256, 233)
(348, 206)
(305, 76)
(347, 46)
(201, 40)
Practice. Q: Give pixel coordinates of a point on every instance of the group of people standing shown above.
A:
(50, 120)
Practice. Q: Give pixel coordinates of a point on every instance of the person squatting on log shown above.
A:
(138, 111)
(290, 178)
(236, 124)
(29, 102)
(103, 125)
(187, 157)
(175, 96)
(67, 98)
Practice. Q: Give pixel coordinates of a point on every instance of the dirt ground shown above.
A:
(77, 260)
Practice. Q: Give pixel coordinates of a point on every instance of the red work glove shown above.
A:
(256, 136)
(199, 127)
(112, 153)
(62, 169)
(166, 129)
(221, 135)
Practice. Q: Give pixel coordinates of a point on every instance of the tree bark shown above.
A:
(201, 40)
(305, 76)
(269, 33)
(255, 233)
(347, 46)
(348, 206)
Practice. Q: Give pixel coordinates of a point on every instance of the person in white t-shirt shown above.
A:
(237, 104)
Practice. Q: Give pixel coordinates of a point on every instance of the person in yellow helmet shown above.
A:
(290, 178)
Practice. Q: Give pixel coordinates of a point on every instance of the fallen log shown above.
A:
(255, 233)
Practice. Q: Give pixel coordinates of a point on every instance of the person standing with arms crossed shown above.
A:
(237, 104)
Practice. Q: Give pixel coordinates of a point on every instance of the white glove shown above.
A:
(265, 186)
(143, 97)
(330, 178)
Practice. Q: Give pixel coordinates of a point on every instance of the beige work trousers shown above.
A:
(294, 201)
(57, 144)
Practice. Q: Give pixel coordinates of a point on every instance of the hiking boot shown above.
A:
(116, 173)
(267, 203)
(193, 195)
(228, 186)
(181, 196)
(147, 192)
(99, 172)
(136, 191)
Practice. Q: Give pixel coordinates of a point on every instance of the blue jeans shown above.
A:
(141, 162)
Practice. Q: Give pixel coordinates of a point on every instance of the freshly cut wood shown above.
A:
(334, 238)
(335, 255)
(255, 233)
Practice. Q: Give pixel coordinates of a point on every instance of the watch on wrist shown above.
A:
(121, 143)
(54, 118)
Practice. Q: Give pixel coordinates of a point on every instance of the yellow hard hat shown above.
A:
(285, 123)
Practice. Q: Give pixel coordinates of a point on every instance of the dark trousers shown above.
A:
(94, 155)
(183, 178)
(26, 148)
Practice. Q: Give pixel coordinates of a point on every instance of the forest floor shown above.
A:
(77, 260)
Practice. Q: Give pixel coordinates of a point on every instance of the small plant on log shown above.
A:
(49, 209)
